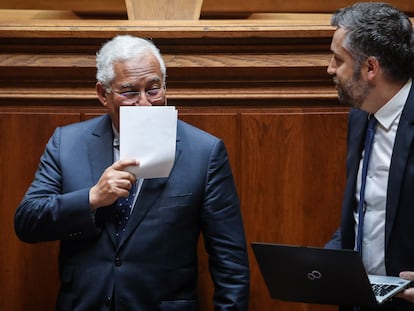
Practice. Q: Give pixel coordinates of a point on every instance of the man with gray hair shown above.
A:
(151, 263)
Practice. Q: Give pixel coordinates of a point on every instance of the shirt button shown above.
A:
(108, 301)
(118, 261)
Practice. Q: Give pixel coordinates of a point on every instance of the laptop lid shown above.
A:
(317, 275)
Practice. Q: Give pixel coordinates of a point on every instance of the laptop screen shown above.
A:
(317, 275)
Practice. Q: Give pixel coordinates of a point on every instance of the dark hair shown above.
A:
(380, 30)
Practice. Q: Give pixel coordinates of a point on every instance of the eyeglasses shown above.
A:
(131, 97)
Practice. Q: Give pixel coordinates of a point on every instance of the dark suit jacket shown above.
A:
(154, 267)
(399, 225)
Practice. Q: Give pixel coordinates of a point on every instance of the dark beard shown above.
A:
(353, 92)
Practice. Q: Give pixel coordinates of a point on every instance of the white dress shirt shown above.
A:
(373, 243)
(116, 158)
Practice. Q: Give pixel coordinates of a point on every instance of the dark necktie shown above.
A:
(369, 137)
(123, 208)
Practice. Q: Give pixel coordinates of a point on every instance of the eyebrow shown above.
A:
(336, 51)
(131, 85)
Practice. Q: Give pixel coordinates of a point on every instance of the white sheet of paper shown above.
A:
(148, 134)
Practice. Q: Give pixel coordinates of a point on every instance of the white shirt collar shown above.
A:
(387, 114)
(116, 137)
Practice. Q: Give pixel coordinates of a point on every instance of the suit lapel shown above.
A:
(356, 144)
(101, 156)
(356, 136)
(402, 146)
(100, 148)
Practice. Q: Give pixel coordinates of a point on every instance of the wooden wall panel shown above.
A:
(290, 169)
(217, 8)
(28, 272)
(261, 86)
(291, 159)
(209, 9)
(292, 183)
(225, 126)
(281, 160)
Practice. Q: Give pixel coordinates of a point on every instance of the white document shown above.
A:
(148, 134)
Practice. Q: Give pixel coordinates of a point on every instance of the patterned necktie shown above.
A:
(123, 208)
(369, 138)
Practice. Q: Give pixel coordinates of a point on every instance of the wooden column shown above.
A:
(163, 9)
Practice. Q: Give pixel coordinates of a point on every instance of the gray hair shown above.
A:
(122, 48)
(379, 30)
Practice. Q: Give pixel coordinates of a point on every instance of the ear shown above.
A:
(373, 67)
(102, 94)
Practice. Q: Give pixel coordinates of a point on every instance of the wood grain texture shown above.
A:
(210, 9)
(259, 85)
(163, 9)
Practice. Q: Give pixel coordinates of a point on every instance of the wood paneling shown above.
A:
(260, 86)
(209, 63)
(289, 167)
(89, 8)
(210, 9)
(305, 152)
(242, 9)
(163, 9)
(28, 272)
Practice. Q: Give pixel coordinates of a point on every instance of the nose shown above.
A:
(331, 67)
(142, 100)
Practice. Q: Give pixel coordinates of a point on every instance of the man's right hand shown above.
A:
(115, 182)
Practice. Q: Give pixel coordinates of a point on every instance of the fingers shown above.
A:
(121, 165)
(124, 186)
(118, 174)
(115, 182)
(409, 275)
(407, 294)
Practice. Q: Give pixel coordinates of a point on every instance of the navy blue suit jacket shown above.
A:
(154, 266)
(399, 225)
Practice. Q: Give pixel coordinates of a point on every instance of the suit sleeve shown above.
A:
(344, 236)
(224, 235)
(48, 214)
(335, 241)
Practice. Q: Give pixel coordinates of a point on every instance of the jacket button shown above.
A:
(108, 301)
(118, 261)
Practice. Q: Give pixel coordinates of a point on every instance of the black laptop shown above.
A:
(322, 276)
